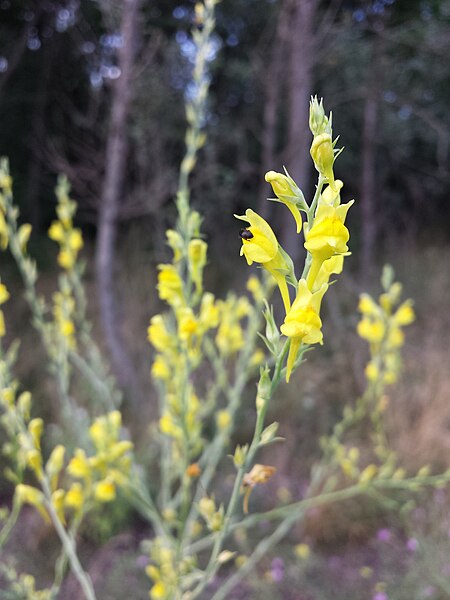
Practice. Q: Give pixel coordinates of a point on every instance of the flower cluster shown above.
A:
(62, 231)
(97, 477)
(325, 239)
(183, 337)
(381, 326)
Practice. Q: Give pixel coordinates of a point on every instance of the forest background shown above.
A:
(76, 99)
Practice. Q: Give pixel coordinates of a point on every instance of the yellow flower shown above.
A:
(4, 294)
(302, 322)
(368, 473)
(287, 191)
(229, 338)
(105, 490)
(75, 241)
(175, 241)
(322, 153)
(302, 551)
(371, 330)
(66, 259)
(170, 285)
(404, 314)
(368, 306)
(259, 244)
(58, 504)
(223, 419)
(160, 368)
(197, 261)
(209, 313)
(2, 325)
(158, 591)
(158, 334)
(55, 464)
(332, 266)
(187, 325)
(26, 494)
(74, 497)
(35, 428)
(79, 465)
(332, 195)
(327, 237)
(168, 426)
(56, 231)
(4, 235)
(23, 235)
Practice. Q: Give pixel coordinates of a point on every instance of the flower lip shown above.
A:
(245, 234)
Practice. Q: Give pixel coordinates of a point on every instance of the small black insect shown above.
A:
(246, 234)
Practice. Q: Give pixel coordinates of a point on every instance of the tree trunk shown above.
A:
(112, 192)
(368, 165)
(297, 161)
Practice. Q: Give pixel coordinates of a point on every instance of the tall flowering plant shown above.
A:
(206, 352)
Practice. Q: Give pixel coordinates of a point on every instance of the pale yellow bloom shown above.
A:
(74, 497)
(327, 237)
(158, 334)
(371, 330)
(287, 191)
(302, 323)
(79, 465)
(160, 368)
(170, 285)
(105, 490)
(56, 232)
(259, 244)
(26, 494)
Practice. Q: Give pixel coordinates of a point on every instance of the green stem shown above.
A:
(68, 543)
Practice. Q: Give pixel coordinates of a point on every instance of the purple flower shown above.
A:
(412, 544)
(429, 591)
(277, 569)
(380, 596)
(384, 535)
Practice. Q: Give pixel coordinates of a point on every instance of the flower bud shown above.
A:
(318, 121)
(322, 153)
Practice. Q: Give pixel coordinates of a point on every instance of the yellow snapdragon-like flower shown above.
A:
(187, 325)
(161, 369)
(158, 334)
(327, 237)
(259, 244)
(196, 261)
(105, 490)
(404, 314)
(209, 313)
(332, 195)
(372, 330)
(175, 241)
(287, 191)
(26, 494)
(4, 234)
(302, 322)
(79, 465)
(4, 296)
(170, 286)
(332, 266)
